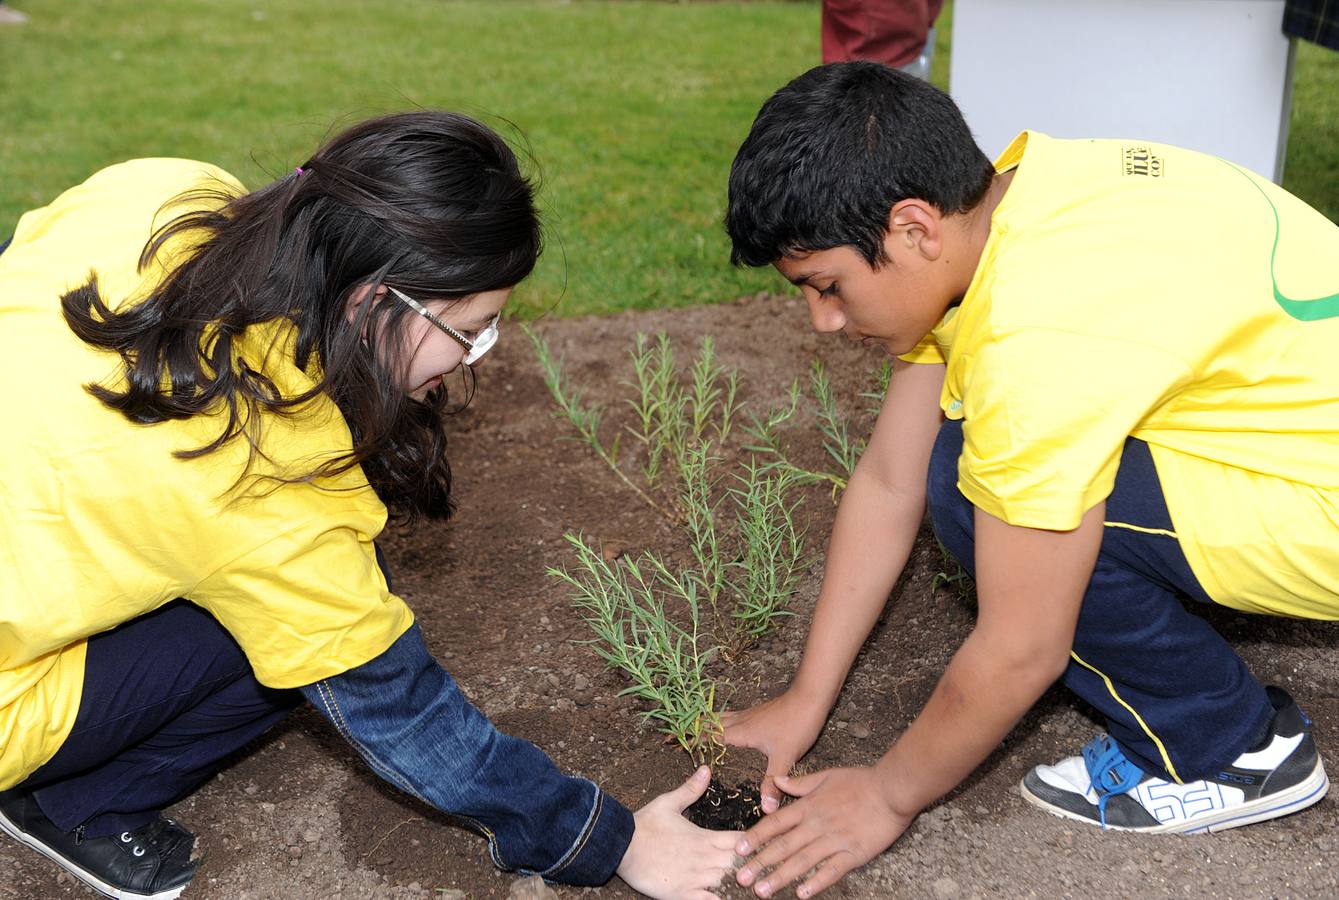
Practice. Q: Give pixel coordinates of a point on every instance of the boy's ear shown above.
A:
(360, 295)
(917, 226)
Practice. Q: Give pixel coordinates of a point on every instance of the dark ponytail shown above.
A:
(433, 203)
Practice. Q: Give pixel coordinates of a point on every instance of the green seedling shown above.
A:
(662, 625)
(835, 429)
(585, 418)
(659, 405)
(883, 376)
(699, 509)
(713, 389)
(953, 576)
(773, 548)
(623, 603)
(765, 436)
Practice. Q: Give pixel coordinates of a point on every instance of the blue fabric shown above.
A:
(412, 725)
(167, 698)
(1190, 688)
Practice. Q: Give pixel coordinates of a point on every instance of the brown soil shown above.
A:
(734, 807)
(301, 817)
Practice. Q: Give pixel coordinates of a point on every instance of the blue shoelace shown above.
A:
(1110, 772)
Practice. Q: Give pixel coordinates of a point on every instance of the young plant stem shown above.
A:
(646, 406)
(665, 662)
(773, 548)
(695, 499)
(835, 430)
(766, 440)
(584, 418)
(883, 376)
(705, 395)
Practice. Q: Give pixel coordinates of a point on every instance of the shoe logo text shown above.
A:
(1177, 802)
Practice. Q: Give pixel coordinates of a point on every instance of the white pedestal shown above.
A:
(1211, 75)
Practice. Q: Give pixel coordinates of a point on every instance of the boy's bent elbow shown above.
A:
(1030, 666)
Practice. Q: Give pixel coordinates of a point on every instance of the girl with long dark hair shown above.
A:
(205, 433)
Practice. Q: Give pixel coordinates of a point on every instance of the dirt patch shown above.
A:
(727, 807)
(301, 817)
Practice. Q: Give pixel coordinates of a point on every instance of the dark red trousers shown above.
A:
(887, 31)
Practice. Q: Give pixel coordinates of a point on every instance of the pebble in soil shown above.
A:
(726, 807)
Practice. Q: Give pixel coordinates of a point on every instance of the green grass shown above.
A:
(633, 110)
(1312, 167)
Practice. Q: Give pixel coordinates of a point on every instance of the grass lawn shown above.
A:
(633, 110)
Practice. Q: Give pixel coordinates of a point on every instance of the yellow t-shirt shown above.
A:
(1130, 288)
(100, 523)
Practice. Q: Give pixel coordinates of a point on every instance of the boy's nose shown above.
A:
(825, 315)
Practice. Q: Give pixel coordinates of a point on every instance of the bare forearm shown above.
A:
(876, 525)
(1030, 587)
(976, 703)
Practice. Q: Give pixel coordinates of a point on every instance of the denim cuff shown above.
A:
(410, 723)
(597, 851)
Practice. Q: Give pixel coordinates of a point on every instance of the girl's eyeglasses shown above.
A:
(474, 349)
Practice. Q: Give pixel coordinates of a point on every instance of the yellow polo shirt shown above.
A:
(1130, 288)
(100, 523)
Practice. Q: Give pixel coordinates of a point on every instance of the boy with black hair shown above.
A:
(1115, 386)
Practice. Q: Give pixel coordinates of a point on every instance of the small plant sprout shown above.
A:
(671, 431)
(644, 404)
(773, 549)
(662, 626)
(765, 434)
(666, 662)
(883, 376)
(657, 399)
(713, 388)
(584, 418)
(699, 509)
(953, 576)
(836, 432)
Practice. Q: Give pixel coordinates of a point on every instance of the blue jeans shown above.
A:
(169, 696)
(405, 716)
(1177, 698)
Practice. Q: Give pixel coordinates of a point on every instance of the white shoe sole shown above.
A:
(87, 878)
(1305, 793)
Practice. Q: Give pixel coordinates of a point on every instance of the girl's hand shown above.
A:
(670, 858)
(784, 728)
(841, 821)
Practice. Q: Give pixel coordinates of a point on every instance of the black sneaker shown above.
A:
(149, 863)
(1102, 787)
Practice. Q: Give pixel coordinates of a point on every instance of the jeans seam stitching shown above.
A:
(583, 838)
(336, 715)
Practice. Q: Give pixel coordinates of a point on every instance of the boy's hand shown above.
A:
(670, 858)
(784, 728)
(840, 822)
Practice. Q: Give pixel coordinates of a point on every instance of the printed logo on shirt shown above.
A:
(1141, 161)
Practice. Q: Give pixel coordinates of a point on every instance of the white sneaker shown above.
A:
(1102, 787)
